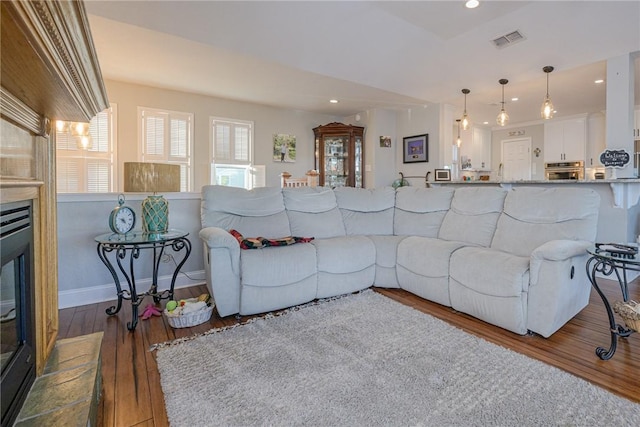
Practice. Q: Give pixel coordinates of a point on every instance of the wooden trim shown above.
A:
(49, 71)
(45, 236)
(20, 114)
(67, 83)
(17, 194)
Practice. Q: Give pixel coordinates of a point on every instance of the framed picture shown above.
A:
(284, 148)
(443, 174)
(385, 141)
(415, 148)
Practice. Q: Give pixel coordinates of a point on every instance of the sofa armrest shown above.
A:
(215, 237)
(555, 250)
(222, 267)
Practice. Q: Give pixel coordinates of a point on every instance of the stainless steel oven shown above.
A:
(564, 170)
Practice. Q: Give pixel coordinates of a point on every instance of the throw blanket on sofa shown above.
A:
(262, 242)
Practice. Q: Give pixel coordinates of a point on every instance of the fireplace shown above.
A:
(17, 336)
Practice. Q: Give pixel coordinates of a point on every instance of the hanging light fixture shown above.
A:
(466, 122)
(80, 130)
(503, 117)
(458, 140)
(547, 106)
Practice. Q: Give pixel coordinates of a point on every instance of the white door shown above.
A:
(516, 159)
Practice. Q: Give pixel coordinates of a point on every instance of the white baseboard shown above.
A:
(97, 294)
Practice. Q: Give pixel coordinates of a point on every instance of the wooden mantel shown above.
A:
(49, 71)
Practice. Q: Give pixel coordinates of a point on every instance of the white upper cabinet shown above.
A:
(596, 139)
(565, 140)
(636, 126)
(476, 146)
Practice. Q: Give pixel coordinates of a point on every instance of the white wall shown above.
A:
(380, 162)
(84, 279)
(418, 121)
(267, 122)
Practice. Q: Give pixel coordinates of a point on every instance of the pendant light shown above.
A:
(503, 117)
(465, 117)
(547, 106)
(458, 140)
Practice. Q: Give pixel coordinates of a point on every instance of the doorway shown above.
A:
(516, 159)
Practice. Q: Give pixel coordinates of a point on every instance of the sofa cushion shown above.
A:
(420, 211)
(257, 212)
(366, 212)
(473, 215)
(386, 251)
(277, 277)
(533, 216)
(313, 212)
(345, 264)
(491, 285)
(278, 266)
(423, 267)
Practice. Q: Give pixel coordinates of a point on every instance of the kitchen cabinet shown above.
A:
(565, 140)
(340, 155)
(476, 147)
(636, 126)
(596, 139)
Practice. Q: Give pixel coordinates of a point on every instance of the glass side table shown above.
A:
(607, 264)
(128, 247)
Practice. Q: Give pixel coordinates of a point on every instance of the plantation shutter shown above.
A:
(167, 138)
(88, 170)
(222, 144)
(232, 153)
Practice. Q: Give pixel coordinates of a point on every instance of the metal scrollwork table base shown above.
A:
(129, 246)
(607, 264)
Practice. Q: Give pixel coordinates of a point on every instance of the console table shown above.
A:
(128, 247)
(607, 264)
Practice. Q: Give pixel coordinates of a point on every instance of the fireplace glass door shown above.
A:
(17, 338)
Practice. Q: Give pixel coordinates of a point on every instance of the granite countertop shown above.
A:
(545, 181)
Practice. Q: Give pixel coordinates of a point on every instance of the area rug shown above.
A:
(366, 360)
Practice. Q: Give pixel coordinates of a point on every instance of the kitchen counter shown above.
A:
(626, 191)
(546, 181)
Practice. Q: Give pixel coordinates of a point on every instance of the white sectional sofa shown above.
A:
(513, 258)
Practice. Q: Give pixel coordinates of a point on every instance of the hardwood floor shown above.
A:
(132, 396)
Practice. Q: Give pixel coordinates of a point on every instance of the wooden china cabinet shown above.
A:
(340, 155)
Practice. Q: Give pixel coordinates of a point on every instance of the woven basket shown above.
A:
(627, 310)
(190, 319)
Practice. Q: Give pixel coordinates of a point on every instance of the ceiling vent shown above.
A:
(508, 39)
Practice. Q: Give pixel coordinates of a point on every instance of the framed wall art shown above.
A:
(385, 141)
(284, 148)
(415, 148)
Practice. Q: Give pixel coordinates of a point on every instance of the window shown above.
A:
(91, 169)
(167, 137)
(232, 163)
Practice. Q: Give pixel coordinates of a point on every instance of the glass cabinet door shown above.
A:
(358, 161)
(336, 160)
(339, 155)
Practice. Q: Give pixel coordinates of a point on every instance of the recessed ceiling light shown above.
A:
(485, 123)
(514, 99)
(599, 81)
(333, 101)
(471, 4)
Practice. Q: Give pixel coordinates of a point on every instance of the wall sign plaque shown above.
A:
(614, 158)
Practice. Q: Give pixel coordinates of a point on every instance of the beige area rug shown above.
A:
(366, 360)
